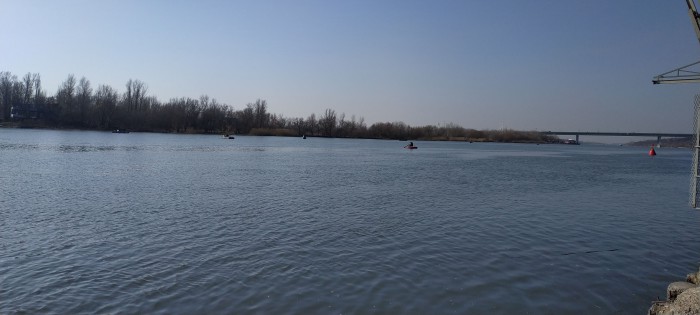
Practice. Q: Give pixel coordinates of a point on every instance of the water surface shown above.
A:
(95, 222)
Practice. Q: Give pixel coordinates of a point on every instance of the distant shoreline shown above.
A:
(486, 136)
(669, 142)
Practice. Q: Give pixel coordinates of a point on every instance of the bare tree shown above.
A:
(311, 125)
(83, 98)
(66, 99)
(246, 119)
(327, 123)
(39, 96)
(105, 102)
(135, 94)
(260, 113)
(27, 88)
(298, 125)
(204, 100)
(6, 85)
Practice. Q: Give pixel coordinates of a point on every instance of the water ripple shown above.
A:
(163, 224)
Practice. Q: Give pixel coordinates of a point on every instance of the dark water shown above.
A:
(180, 224)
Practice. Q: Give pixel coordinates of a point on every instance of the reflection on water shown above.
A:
(154, 223)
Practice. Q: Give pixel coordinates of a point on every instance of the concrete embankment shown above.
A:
(682, 297)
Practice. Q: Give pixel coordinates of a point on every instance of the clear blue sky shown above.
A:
(483, 64)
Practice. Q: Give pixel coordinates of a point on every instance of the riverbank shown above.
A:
(493, 136)
(670, 142)
(682, 297)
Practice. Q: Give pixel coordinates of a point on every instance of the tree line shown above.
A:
(77, 104)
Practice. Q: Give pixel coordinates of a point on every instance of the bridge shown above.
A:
(620, 134)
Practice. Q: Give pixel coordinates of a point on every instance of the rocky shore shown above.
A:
(682, 297)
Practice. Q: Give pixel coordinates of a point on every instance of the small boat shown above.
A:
(228, 137)
(411, 147)
(571, 141)
(120, 131)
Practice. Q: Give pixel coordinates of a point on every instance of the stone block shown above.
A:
(686, 303)
(676, 288)
(693, 277)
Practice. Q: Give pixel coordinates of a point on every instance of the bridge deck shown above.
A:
(619, 134)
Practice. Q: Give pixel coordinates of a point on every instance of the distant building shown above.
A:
(28, 111)
(44, 112)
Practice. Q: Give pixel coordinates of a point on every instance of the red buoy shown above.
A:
(652, 152)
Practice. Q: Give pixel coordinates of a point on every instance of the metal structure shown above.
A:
(619, 134)
(695, 177)
(685, 74)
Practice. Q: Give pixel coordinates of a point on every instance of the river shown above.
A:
(95, 222)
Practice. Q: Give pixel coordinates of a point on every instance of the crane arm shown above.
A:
(694, 17)
(684, 74)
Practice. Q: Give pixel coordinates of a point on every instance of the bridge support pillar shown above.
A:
(577, 140)
(658, 141)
